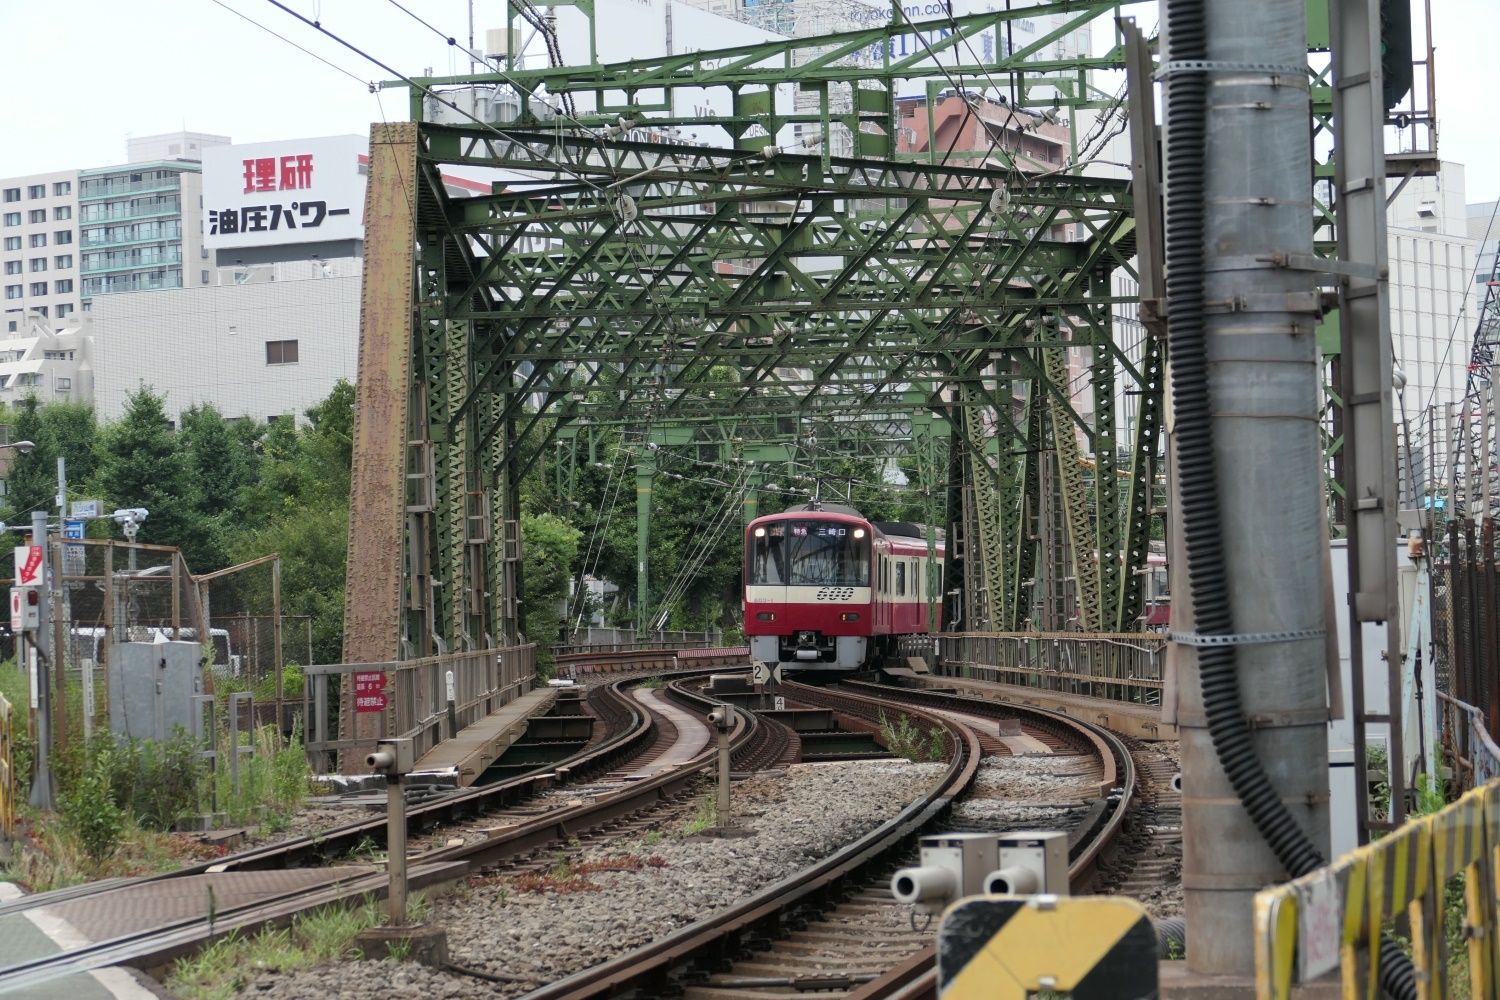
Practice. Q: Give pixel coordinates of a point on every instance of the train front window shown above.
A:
(810, 554)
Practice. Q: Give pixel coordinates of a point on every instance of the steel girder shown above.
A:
(756, 299)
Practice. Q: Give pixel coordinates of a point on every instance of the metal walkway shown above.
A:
(478, 746)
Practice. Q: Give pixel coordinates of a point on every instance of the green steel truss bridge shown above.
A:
(751, 297)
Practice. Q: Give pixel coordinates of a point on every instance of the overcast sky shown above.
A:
(82, 75)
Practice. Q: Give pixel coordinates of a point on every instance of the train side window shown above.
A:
(901, 577)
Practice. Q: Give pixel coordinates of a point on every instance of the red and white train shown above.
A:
(827, 589)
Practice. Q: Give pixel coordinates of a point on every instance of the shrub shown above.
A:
(90, 815)
(156, 783)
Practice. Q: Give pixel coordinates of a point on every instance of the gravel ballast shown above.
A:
(540, 929)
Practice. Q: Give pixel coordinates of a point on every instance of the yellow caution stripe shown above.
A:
(1004, 947)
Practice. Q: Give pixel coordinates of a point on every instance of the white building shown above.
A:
(38, 253)
(71, 235)
(1431, 259)
(172, 146)
(138, 228)
(265, 349)
(49, 362)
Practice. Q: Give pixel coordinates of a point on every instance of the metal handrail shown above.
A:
(1476, 753)
(1123, 666)
(416, 700)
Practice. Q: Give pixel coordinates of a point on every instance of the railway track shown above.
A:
(832, 928)
(835, 929)
(609, 772)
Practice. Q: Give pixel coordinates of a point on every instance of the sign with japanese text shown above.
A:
(295, 191)
(28, 565)
(369, 691)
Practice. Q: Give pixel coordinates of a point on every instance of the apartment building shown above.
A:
(38, 247)
(139, 228)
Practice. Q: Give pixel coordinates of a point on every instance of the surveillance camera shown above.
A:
(381, 760)
(721, 717)
(130, 515)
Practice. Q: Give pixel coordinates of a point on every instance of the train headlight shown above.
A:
(760, 532)
(849, 616)
(859, 532)
(765, 616)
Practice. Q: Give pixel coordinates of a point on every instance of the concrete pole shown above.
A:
(42, 791)
(1264, 380)
(645, 477)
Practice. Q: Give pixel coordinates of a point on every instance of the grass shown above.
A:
(904, 739)
(567, 877)
(51, 857)
(652, 682)
(118, 801)
(228, 966)
(707, 815)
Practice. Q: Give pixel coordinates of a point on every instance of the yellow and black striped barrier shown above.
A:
(1013, 947)
(1334, 917)
(7, 772)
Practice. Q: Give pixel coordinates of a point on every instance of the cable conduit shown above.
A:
(1186, 103)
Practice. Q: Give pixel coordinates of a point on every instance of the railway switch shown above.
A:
(952, 865)
(1030, 862)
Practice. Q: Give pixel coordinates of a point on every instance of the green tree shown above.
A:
(551, 547)
(71, 431)
(298, 506)
(223, 464)
(142, 465)
(32, 480)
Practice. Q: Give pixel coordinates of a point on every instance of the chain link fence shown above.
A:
(112, 592)
(1466, 632)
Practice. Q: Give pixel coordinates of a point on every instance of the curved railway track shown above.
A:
(834, 928)
(636, 740)
(831, 928)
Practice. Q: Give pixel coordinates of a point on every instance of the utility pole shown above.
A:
(645, 478)
(1247, 483)
(42, 793)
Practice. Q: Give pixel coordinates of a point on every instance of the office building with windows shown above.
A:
(39, 248)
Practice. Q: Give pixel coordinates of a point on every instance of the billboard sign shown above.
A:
(287, 192)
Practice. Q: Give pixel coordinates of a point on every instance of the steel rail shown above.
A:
(916, 977)
(634, 728)
(652, 969)
(154, 947)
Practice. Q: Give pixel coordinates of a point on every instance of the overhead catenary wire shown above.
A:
(705, 543)
(436, 96)
(1453, 333)
(591, 560)
(271, 31)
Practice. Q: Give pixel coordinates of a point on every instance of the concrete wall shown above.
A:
(208, 345)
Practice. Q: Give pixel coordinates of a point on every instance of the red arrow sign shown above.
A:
(28, 565)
